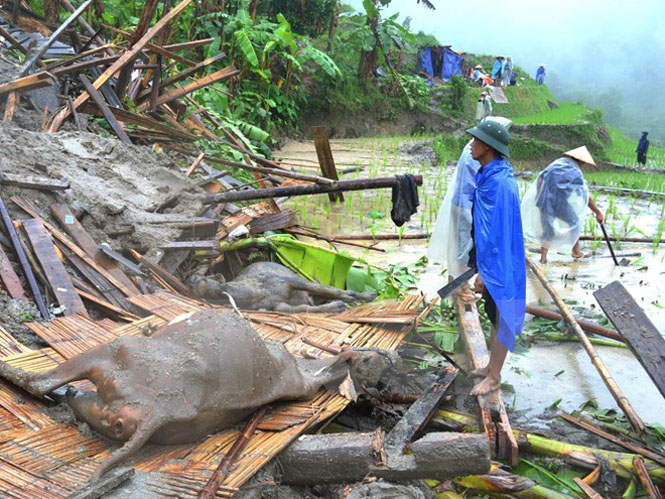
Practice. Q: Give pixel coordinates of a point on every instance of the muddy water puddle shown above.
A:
(547, 372)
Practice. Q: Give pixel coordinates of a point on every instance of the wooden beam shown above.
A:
(30, 82)
(169, 278)
(31, 210)
(166, 82)
(99, 100)
(9, 278)
(179, 92)
(128, 56)
(326, 160)
(492, 415)
(33, 182)
(419, 414)
(55, 272)
(305, 190)
(151, 47)
(189, 45)
(20, 253)
(642, 337)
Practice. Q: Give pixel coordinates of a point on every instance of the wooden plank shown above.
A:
(9, 278)
(55, 272)
(10, 105)
(23, 260)
(326, 160)
(33, 182)
(31, 210)
(419, 413)
(492, 416)
(191, 245)
(99, 100)
(179, 92)
(75, 230)
(128, 56)
(642, 337)
(170, 279)
(189, 45)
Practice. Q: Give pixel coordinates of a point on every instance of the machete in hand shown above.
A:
(445, 291)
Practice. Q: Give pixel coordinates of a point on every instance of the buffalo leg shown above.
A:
(317, 289)
(77, 368)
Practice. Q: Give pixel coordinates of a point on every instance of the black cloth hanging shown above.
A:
(405, 199)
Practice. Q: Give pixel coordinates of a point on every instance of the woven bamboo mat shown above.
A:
(42, 458)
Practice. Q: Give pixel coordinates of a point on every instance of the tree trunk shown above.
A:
(334, 21)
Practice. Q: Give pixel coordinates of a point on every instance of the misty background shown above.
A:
(608, 53)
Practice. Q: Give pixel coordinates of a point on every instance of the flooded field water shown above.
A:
(531, 374)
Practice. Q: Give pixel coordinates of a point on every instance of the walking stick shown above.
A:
(607, 240)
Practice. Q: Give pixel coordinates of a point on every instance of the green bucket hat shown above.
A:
(493, 134)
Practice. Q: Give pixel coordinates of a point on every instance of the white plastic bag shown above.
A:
(451, 238)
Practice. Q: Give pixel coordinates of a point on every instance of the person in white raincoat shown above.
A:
(553, 207)
(451, 238)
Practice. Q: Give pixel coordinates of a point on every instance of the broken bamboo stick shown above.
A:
(304, 190)
(612, 386)
(104, 108)
(587, 326)
(640, 469)
(224, 468)
(261, 169)
(626, 444)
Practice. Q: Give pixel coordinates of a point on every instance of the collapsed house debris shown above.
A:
(132, 269)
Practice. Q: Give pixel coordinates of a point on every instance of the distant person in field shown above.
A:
(554, 206)
(540, 74)
(497, 70)
(642, 149)
(507, 72)
(484, 106)
(478, 74)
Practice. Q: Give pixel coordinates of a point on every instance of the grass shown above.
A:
(626, 179)
(568, 113)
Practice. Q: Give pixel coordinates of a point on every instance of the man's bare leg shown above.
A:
(543, 254)
(577, 252)
(498, 353)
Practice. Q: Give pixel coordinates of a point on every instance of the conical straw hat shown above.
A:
(581, 154)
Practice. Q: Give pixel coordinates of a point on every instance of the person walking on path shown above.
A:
(554, 206)
(498, 251)
(540, 75)
(642, 149)
(484, 106)
(451, 240)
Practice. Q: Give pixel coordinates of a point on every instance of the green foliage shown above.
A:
(626, 179)
(310, 18)
(457, 93)
(448, 147)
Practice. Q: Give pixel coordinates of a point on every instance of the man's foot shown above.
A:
(578, 254)
(481, 372)
(486, 385)
(543, 259)
(465, 294)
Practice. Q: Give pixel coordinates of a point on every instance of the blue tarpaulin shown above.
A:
(452, 64)
(425, 60)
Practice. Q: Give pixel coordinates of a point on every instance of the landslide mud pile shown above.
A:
(121, 187)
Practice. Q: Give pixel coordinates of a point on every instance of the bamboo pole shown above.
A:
(586, 488)
(304, 190)
(587, 326)
(612, 386)
(642, 473)
(224, 468)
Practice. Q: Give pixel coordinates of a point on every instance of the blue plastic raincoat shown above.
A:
(497, 70)
(499, 245)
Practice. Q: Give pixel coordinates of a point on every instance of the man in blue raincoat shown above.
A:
(498, 251)
(642, 149)
(540, 74)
